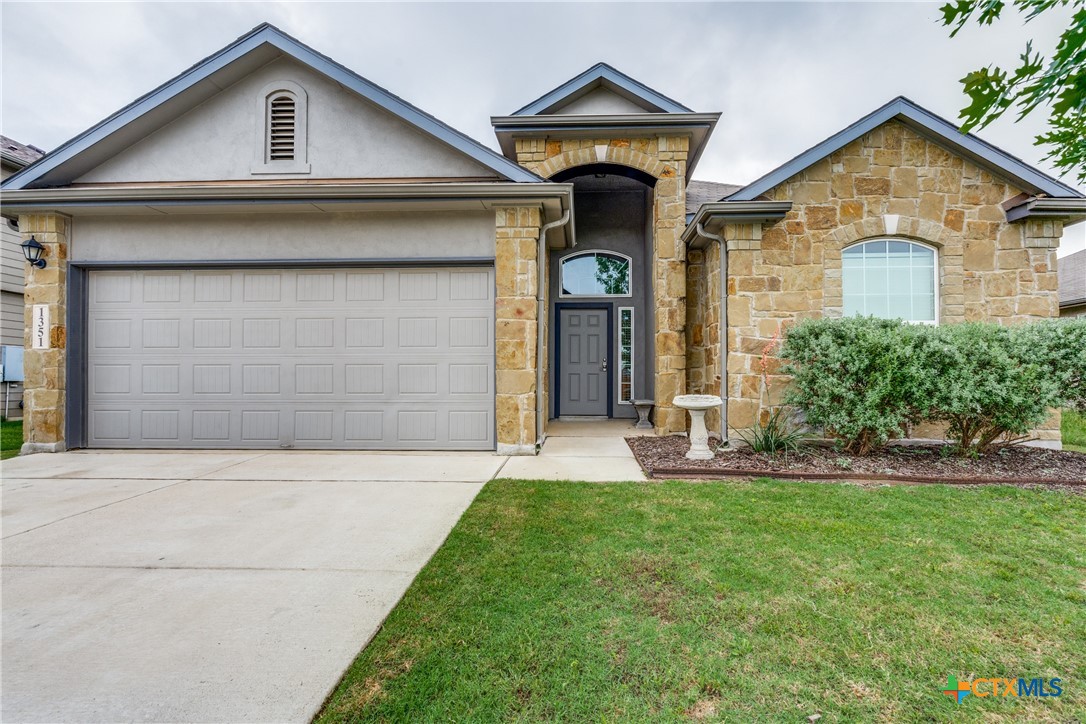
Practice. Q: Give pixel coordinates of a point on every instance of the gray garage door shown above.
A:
(344, 359)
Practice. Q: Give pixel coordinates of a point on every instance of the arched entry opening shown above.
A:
(600, 317)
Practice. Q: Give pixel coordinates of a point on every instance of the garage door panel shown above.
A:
(355, 359)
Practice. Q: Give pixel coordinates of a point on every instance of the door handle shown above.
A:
(604, 365)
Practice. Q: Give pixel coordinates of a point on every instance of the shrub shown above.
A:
(866, 380)
(1058, 345)
(863, 379)
(989, 389)
(778, 434)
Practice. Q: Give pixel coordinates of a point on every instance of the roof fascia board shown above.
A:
(244, 45)
(305, 192)
(615, 120)
(602, 72)
(928, 124)
(701, 126)
(723, 212)
(1071, 211)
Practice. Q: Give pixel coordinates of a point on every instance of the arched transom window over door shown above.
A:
(595, 274)
(891, 279)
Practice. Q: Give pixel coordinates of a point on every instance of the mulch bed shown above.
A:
(664, 457)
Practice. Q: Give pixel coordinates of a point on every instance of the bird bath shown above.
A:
(699, 436)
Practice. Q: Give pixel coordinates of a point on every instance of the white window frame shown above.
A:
(934, 270)
(299, 164)
(595, 252)
(633, 356)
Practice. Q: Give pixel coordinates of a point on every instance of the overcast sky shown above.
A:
(785, 75)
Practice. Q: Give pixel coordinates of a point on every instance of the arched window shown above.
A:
(595, 274)
(892, 279)
(282, 128)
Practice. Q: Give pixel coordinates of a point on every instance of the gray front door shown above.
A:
(583, 361)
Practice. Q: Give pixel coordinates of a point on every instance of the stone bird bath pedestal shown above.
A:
(699, 436)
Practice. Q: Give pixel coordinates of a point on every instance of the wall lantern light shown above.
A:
(33, 252)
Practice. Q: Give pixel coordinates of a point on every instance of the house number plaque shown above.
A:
(39, 330)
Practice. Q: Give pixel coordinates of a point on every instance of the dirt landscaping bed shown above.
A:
(664, 457)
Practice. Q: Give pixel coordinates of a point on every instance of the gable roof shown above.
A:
(930, 125)
(613, 80)
(203, 80)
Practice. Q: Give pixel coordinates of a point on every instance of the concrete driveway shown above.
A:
(209, 586)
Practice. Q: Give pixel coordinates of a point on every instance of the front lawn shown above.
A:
(11, 438)
(750, 601)
(1073, 430)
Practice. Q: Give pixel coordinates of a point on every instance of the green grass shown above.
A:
(1073, 431)
(11, 438)
(758, 601)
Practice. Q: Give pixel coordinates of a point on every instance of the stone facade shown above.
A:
(891, 182)
(664, 158)
(516, 278)
(703, 330)
(44, 369)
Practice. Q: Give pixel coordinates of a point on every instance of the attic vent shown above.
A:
(280, 130)
(282, 112)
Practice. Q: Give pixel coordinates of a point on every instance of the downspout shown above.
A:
(540, 317)
(723, 328)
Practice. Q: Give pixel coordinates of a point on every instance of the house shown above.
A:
(1072, 274)
(270, 251)
(13, 157)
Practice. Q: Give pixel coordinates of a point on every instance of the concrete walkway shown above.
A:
(594, 451)
(207, 586)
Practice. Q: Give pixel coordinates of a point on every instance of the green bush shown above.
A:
(863, 379)
(990, 390)
(1059, 345)
(867, 380)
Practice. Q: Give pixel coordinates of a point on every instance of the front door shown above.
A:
(583, 359)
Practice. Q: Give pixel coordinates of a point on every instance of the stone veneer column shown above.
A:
(745, 376)
(45, 383)
(669, 282)
(517, 239)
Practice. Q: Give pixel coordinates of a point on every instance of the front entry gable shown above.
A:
(88, 157)
(601, 90)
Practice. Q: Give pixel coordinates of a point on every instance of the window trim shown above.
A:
(936, 291)
(594, 252)
(299, 164)
(633, 356)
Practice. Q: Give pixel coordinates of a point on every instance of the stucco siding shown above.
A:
(282, 236)
(600, 102)
(347, 138)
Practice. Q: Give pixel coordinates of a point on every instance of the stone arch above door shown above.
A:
(661, 158)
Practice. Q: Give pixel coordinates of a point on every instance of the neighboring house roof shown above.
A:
(18, 154)
(602, 75)
(702, 192)
(930, 125)
(197, 84)
(1072, 273)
